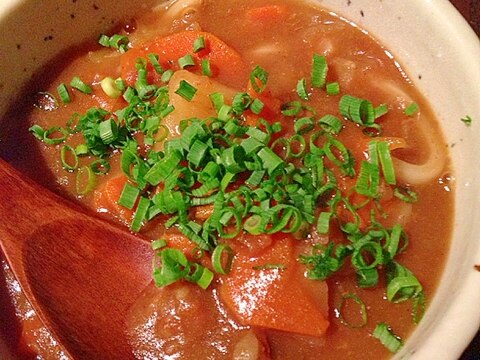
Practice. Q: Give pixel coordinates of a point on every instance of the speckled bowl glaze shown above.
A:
(433, 43)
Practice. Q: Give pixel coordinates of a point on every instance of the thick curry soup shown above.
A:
(295, 185)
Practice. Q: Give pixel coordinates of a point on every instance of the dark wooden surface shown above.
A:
(470, 9)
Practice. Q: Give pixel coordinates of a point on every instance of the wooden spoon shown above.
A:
(81, 274)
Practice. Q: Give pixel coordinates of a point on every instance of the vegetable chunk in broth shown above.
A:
(296, 186)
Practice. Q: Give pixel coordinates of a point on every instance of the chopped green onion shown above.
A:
(381, 110)
(129, 196)
(186, 90)
(303, 125)
(186, 61)
(386, 162)
(104, 40)
(302, 89)
(384, 333)
(222, 259)
(206, 68)
(153, 58)
(81, 150)
(140, 214)
(367, 278)
(119, 42)
(370, 249)
(411, 109)
(361, 305)
(357, 110)
(270, 160)
(120, 84)
(100, 167)
(331, 124)
(108, 131)
(174, 266)
(199, 44)
(55, 135)
(37, 131)
(418, 307)
(158, 244)
(78, 84)
(257, 106)
(319, 71)
(167, 75)
(85, 180)
(368, 180)
(253, 225)
(258, 79)
(467, 120)
(68, 151)
(270, 267)
(333, 88)
(63, 93)
(402, 288)
(323, 222)
(406, 194)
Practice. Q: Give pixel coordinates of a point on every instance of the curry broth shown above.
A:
(284, 46)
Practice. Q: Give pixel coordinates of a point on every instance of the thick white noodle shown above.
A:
(178, 8)
(431, 168)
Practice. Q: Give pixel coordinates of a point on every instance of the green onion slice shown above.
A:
(100, 166)
(206, 67)
(348, 298)
(55, 135)
(129, 196)
(69, 158)
(319, 71)
(302, 89)
(153, 58)
(258, 79)
(384, 333)
(199, 44)
(62, 91)
(78, 84)
(85, 180)
(411, 109)
(333, 88)
(186, 90)
(222, 259)
(186, 61)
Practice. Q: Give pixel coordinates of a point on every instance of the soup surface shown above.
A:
(275, 151)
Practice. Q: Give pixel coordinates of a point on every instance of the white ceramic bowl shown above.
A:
(428, 37)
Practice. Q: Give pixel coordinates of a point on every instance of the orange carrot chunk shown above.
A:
(106, 199)
(226, 64)
(271, 291)
(268, 14)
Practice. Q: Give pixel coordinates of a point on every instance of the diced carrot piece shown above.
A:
(271, 109)
(268, 14)
(225, 62)
(181, 242)
(106, 199)
(277, 298)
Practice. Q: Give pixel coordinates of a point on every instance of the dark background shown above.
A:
(470, 9)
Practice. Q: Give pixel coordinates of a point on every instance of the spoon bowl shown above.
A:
(80, 273)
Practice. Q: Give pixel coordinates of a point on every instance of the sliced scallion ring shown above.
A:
(362, 309)
(69, 158)
(85, 180)
(222, 259)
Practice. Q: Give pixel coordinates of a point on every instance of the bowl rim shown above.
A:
(467, 294)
